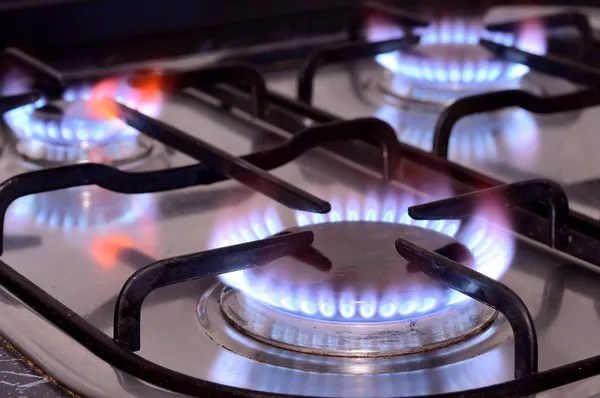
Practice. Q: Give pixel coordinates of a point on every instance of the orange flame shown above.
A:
(100, 107)
(103, 97)
(149, 88)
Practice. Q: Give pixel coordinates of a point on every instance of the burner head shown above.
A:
(352, 281)
(69, 130)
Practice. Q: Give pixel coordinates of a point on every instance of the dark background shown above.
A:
(75, 29)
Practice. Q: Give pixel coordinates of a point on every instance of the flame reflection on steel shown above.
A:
(477, 139)
(80, 209)
(83, 122)
(138, 247)
(449, 53)
(110, 248)
(488, 240)
(106, 249)
(360, 375)
(520, 135)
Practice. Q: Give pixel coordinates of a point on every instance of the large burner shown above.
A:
(355, 296)
(351, 291)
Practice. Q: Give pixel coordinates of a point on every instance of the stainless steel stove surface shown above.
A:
(351, 298)
(511, 144)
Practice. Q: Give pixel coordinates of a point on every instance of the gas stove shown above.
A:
(399, 204)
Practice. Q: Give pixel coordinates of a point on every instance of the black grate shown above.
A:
(550, 223)
(494, 101)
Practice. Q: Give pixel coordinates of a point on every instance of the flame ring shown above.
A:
(454, 70)
(78, 131)
(491, 246)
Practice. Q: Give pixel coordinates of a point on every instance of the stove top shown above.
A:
(406, 208)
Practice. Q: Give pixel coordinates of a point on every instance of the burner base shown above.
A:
(351, 295)
(429, 332)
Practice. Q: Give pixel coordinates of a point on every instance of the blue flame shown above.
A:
(491, 245)
(75, 129)
(492, 367)
(429, 63)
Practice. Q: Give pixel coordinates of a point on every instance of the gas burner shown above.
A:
(70, 130)
(449, 63)
(342, 287)
(358, 300)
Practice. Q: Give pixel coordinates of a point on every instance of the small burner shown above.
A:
(449, 55)
(449, 63)
(350, 294)
(69, 131)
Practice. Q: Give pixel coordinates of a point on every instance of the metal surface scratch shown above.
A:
(19, 375)
(10, 372)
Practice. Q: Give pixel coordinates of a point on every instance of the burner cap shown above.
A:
(352, 288)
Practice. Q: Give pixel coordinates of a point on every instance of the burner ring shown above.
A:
(443, 66)
(449, 326)
(322, 282)
(359, 300)
(219, 329)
